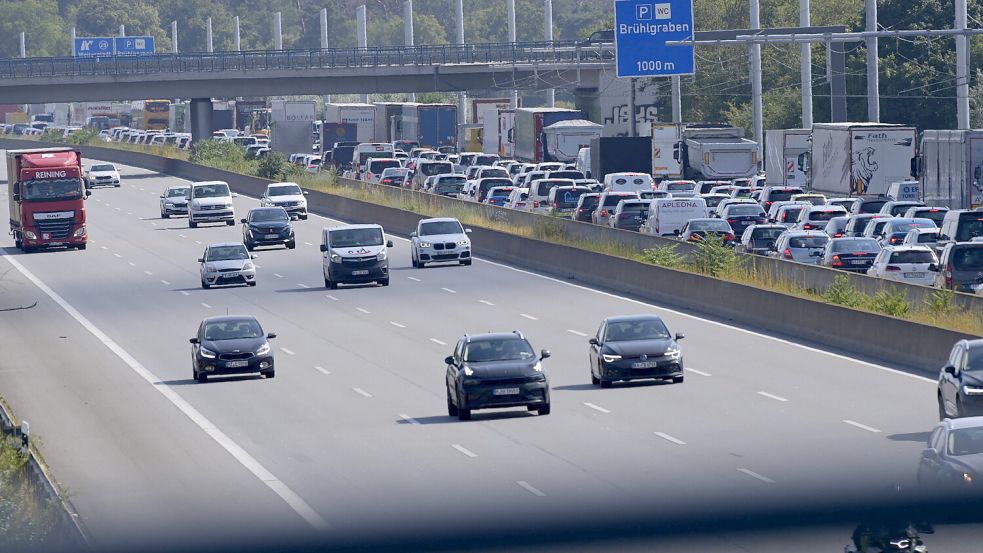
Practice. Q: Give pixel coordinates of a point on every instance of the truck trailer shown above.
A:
(46, 198)
(714, 152)
(665, 141)
(430, 125)
(782, 151)
(620, 154)
(563, 140)
(361, 115)
(859, 158)
(529, 124)
(949, 168)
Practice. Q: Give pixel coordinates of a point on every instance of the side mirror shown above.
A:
(449, 360)
(162, 196)
(16, 197)
(949, 369)
(243, 221)
(413, 234)
(271, 336)
(943, 237)
(88, 193)
(253, 256)
(467, 231)
(389, 243)
(592, 341)
(544, 354)
(676, 232)
(680, 335)
(933, 267)
(324, 248)
(929, 454)
(201, 260)
(194, 341)
(306, 193)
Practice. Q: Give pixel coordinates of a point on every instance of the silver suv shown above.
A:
(438, 240)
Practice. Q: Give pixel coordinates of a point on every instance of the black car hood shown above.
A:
(502, 369)
(634, 348)
(278, 225)
(243, 345)
(972, 378)
(972, 464)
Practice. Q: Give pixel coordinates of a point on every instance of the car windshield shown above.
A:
(744, 210)
(291, 190)
(647, 329)
(968, 259)
(52, 190)
(970, 226)
(347, 238)
(103, 168)
(266, 215)
(505, 349)
(912, 257)
(767, 233)
(176, 192)
(238, 329)
(211, 190)
(866, 245)
(440, 227)
(808, 241)
(226, 253)
(965, 441)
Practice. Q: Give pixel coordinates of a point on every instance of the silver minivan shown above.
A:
(355, 254)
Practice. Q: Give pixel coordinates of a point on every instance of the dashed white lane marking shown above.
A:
(530, 317)
(278, 275)
(438, 342)
(361, 392)
(302, 285)
(104, 247)
(414, 279)
(596, 407)
(129, 213)
(694, 371)
(198, 242)
(295, 502)
(464, 450)
(362, 310)
(576, 332)
(772, 396)
(322, 370)
(164, 282)
(397, 325)
(861, 426)
(308, 244)
(529, 488)
(486, 302)
(448, 290)
(287, 351)
(181, 236)
(183, 292)
(409, 419)
(756, 476)
(148, 273)
(131, 264)
(669, 438)
(205, 305)
(117, 209)
(118, 255)
(153, 223)
(330, 297)
(257, 265)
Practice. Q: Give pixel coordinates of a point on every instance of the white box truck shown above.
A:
(782, 150)
(506, 133)
(949, 168)
(859, 158)
(360, 115)
(665, 140)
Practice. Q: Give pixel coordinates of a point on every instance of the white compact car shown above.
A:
(102, 174)
(287, 195)
(439, 240)
(908, 264)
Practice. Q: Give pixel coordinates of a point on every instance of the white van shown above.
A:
(583, 161)
(210, 202)
(355, 254)
(539, 193)
(668, 215)
(369, 150)
(627, 182)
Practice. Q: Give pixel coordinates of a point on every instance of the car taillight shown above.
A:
(788, 253)
(731, 221)
(838, 235)
(894, 240)
(535, 203)
(836, 261)
(948, 275)
(807, 226)
(604, 213)
(556, 205)
(892, 268)
(728, 237)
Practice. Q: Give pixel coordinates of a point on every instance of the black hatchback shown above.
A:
(634, 347)
(231, 345)
(267, 226)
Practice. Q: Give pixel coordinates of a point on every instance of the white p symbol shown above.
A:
(643, 12)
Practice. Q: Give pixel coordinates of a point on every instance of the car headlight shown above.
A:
(673, 351)
(425, 244)
(610, 358)
(972, 390)
(335, 258)
(382, 255)
(248, 266)
(967, 478)
(210, 267)
(228, 204)
(468, 371)
(207, 353)
(464, 243)
(79, 232)
(30, 235)
(264, 349)
(538, 367)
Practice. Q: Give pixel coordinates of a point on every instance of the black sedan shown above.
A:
(495, 370)
(634, 347)
(268, 226)
(954, 456)
(231, 345)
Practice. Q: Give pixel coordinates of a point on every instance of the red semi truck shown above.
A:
(46, 198)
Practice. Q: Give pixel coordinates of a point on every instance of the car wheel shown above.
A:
(463, 414)
(165, 215)
(593, 379)
(192, 223)
(942, 414)
(384, 282)
(303, 217)
(117, 186)
(18, 243)
(252, 283)
(544, 409)
(291, 244)
(205, 285)
(201, 377)
(327, 283)
(249, 246)
(451, 408)
(269, 374)
(466, 263)
(606, 383)
(677, 380)
(230, 223)
(332, 285)
(81, 246)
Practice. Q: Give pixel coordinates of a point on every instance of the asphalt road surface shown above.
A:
(352, 438)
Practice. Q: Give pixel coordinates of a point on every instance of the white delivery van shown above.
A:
(668, 215)
(627, 182)
(583, 161)
(355, 254)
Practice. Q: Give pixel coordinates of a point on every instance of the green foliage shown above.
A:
(222, 155)
(890, 302)
(272, 166)
(842, 292)
(663, 256)
(26, 522)
(84, 136)
(45, 31)
(713, 258)
(941, 302)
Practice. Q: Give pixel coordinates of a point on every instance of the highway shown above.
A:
(352, 438)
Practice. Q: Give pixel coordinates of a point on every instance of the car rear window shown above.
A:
(680, 186)
(872, 206)
(633, 207)
(970, 226)
(568, 198)
(867, 245)
(905, 227)
(429, 169)
(783, 194)
(589, 202)
(544, 187)
(380, 165)
(808, 241)
(823, 215)
(968, 259)
(721, 226)
(767, 233)
(496, 172)
(912, 257)
(790, 214)
(744, 210)
(613, 200)
(899, 210)
(928, 237)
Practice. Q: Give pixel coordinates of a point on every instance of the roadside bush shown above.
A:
(713, 258)
(26, 522)
(941, 302)
(272, 166)
(891, 302)
(211, 152)
(841, 292)
(84, 136)
(663, 256)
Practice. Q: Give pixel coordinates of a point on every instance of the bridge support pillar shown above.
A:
(201, 119)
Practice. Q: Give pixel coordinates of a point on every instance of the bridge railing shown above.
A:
(519, 53)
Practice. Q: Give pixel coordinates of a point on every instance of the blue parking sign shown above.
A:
(641, 30)
(134, 45)
(93, 47)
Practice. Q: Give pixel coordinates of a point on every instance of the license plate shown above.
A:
(857, 262)
(271, 236)
(645, 365)
(229, 275)
(234, 364)
(914, 275)
(56, 243)
(505, 391)
(360, 272)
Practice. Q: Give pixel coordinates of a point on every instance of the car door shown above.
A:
(930, 468)
(949, 383)
(194, 347)
(595, 350)
(450, 376)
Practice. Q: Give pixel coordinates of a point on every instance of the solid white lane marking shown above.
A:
(148, 273)
(302, 285)
(530, 317)
(397, 325)
(330, 297)
(278, 275)
(757, 476)
(529, 488)
(322, 370)
(772, 396)
(596, 407)
(409, 419)
(287, 351)
(164, 282)
(694, 371)
(295, 502)
(486, 302)
(669, 438)
(464, 450)
(438, 342)
(361, 392)
(205, 305)
(185, 293)
(448, 290)
(414, 279)
(861, 426)
(362, 310)
(576, 332)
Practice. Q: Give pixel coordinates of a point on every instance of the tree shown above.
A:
(103, 18)
(44, 29)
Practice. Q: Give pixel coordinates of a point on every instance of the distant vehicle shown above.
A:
(760, 239)
(894, 231)
(836, 226)
(961, 382)
(667, 216)
(267, 226)
(629, 214)
(495, 370)
(627, 182)
(518, 199)
(772, 194)
(102, 174)
(810, 198)
(960, 267)
(741, 216)
(498, 194)
(921, 237)
(817, 216)
(562, 201)
(803, 246)
(355, 254)
(210, 202)
(788, 214)
(673, 186)
(430, 168)
(934, 213)
(539, 193)
(634, 347)
(375, 167)
(853, 254)
(907, 264)
(868, 204)
(896, 208)
(953, 459)
(231, 345)
(586, 205)
(174, 201)
(961, 225)
(857, 223)
(696, 230)
(606, 204)
(287, 195)
(713, 200)
(227, 263)
(440, 240)
(46, 198)
(450, 185)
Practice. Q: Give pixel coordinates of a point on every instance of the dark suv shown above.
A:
(489, 371)
(961, 381)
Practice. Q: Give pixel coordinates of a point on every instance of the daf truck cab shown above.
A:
(46, 198)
